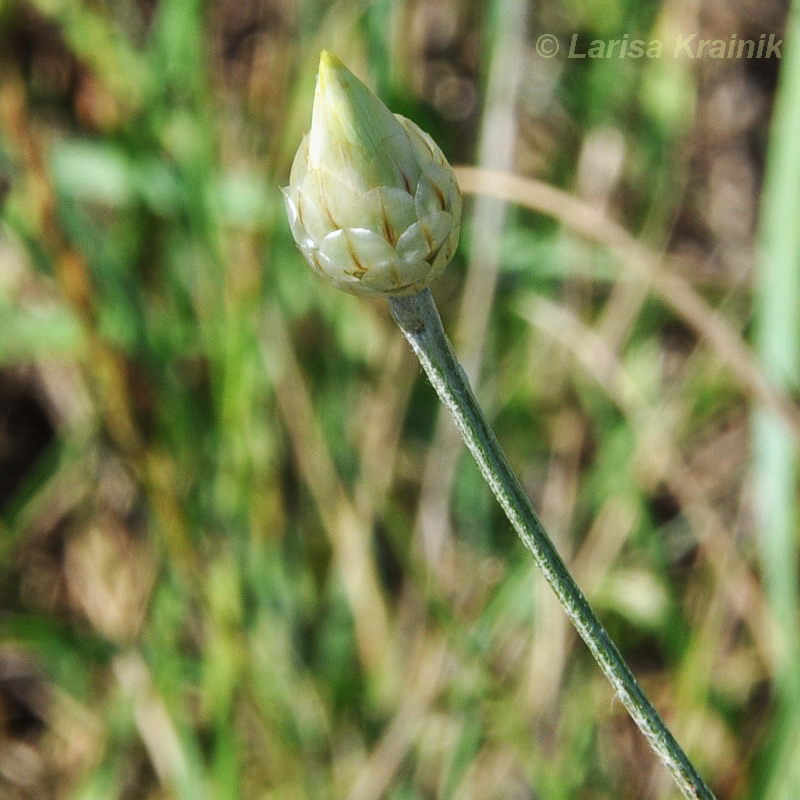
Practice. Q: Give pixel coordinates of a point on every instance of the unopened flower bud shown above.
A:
(372, 202)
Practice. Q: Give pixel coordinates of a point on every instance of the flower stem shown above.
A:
(419, 320)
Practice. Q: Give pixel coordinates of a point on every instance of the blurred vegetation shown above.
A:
(243, 555)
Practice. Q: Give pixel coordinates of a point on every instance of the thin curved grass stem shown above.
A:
(419, 320)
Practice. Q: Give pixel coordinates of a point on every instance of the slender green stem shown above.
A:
(419, 320)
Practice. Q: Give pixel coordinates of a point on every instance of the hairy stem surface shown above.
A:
(419, 320)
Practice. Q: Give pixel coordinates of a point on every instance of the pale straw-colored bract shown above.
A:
(372, 202)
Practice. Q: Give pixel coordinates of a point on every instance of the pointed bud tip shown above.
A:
(330, 69)
(347, 112)
(328, 60)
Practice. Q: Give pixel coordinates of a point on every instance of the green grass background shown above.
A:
(242, 553)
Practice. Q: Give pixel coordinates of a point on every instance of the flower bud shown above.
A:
(372, 202)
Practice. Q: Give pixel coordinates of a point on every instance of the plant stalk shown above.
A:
(419, 320)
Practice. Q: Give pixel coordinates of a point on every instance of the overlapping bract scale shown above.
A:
(372, 202)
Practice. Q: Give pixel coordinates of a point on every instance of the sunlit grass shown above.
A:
(216, 557)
